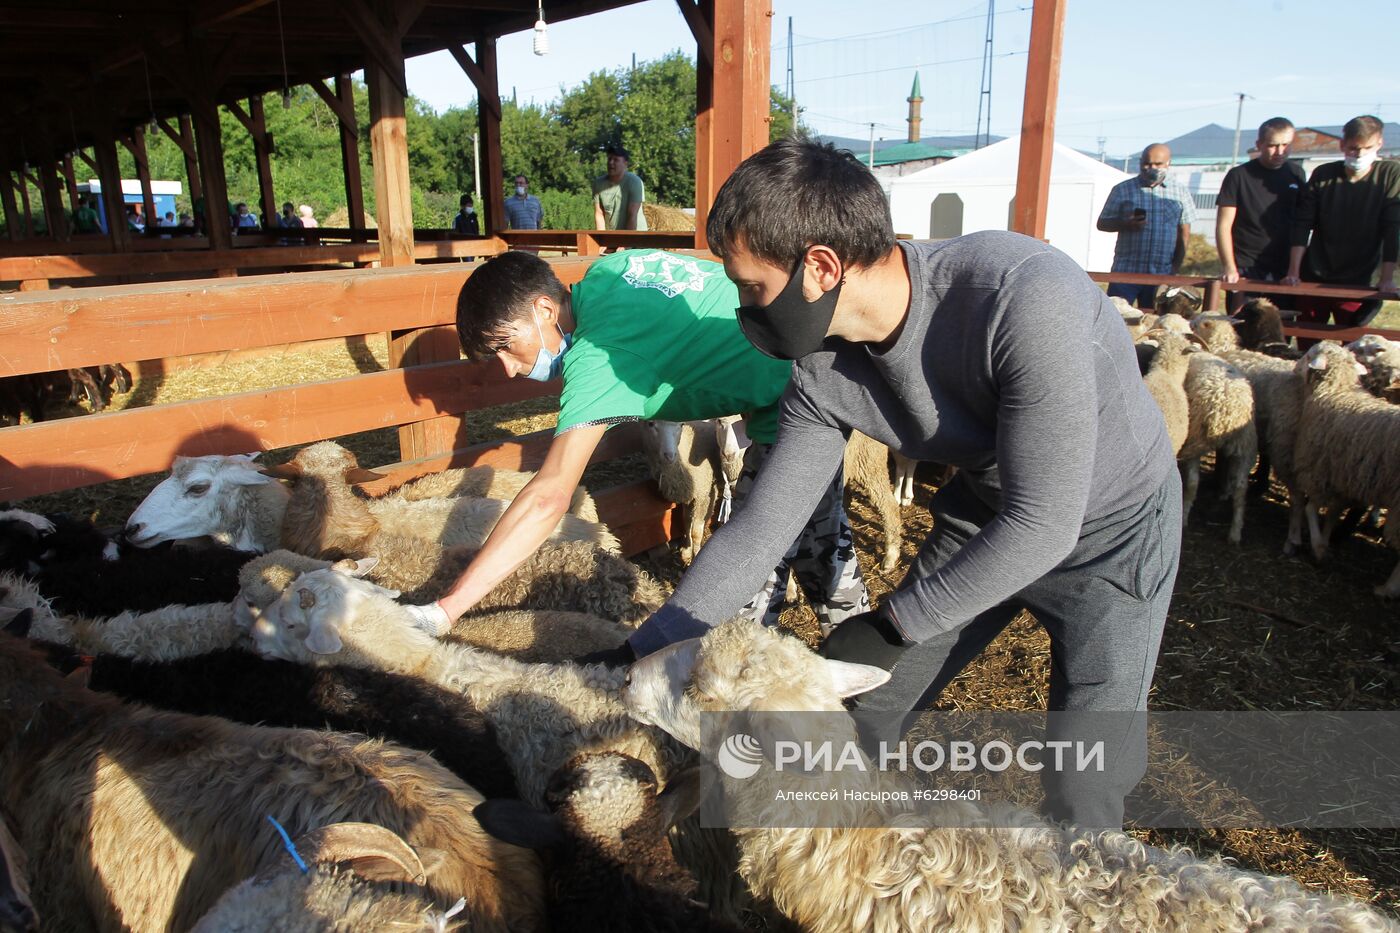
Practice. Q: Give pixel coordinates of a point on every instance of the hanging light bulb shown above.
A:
(541, 35)
(155, 125)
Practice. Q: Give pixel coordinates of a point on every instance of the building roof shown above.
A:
(908, 152)
(957, 145)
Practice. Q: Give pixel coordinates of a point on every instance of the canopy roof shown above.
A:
(76, 70)
(996, 164)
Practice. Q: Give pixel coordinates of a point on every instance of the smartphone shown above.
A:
(1139, 213)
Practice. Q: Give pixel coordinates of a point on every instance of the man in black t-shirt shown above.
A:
(1255, 211)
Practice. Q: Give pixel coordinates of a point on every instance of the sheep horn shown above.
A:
(308, 598)
(288, 470)
(375, 853)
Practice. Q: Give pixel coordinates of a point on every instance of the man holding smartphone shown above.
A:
(1152, 215)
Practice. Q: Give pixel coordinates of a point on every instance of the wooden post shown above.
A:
(13, 230)
(71, 180)
(1038, 117)
(704, 123)
(54, 216)
(186, 143)
(739, 89)
(143, 172)
(262, 153)
(210, 140)
(389, 153)
(488, 113)
(109, 174)
(350, 151)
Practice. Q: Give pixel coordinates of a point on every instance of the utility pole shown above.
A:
(1239, 115)
(476, 161)
(791, 88)
(871, 163)
(1103, 153)
(985, 95)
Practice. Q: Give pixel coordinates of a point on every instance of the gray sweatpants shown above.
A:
(1104, 608)
(823, 558)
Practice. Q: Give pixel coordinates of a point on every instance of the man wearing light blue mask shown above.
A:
(646, 334)
(1152, 215)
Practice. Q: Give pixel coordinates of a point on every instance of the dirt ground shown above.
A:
(1248, 630)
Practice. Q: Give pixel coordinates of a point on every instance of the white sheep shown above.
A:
(685, 461)
(1222, 421)
(1381, 357)
(1278, 403)
(960, 870)
(544, 713)
(234, 502)
(1166, 381)
(1346, 449)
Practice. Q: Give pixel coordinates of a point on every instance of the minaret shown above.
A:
(916, 103)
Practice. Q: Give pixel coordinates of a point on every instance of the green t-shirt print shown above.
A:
(655, 336)
(616, 198)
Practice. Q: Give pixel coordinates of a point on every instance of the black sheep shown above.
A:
(245, 688)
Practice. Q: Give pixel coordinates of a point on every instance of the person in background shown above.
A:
(187, 221)
(1352, 210)
(308, 216)
(288, 220)
(618, 195)
(85, 219)
(244, 219)
(523, 210)
(466, 222)
(1152, 216)
(169, 219)
(1256, 205)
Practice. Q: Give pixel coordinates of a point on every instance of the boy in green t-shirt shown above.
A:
(646, 334)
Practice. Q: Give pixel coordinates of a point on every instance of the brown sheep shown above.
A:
(137, 819)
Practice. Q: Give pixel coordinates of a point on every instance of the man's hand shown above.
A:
(621, 656)
(1230, 276)
(866, 638)
(1387, 288)
(1134, 223)
(431, 618)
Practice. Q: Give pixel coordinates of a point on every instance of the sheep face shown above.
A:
(1217, 332)
(663, 438)
(263, 580)
(198, 498)
(738, 666)
(312, 620)
(1329, 362)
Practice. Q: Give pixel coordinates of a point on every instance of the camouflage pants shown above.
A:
(823, 558)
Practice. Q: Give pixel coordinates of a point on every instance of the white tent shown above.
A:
(974, 192)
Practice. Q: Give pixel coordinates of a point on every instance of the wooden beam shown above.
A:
(740, 95)
(350, 152)
(187, 146)
(143, 172)
(26, 214)
(389, 155)
(71, 181)
(89, 326)
(210, 140)
(13, 226)
(54, 217)
(251, 421)
(488, 115)
(179, 261)
(382, 43)
(88, 160)
(1038, 117)
(478, 78)
(262, 154)
(700, 28)
(109, 174)
(346, 118)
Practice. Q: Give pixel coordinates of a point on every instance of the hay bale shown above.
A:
(666, 217)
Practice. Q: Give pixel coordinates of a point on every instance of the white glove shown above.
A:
(726, 503)
(431, 618)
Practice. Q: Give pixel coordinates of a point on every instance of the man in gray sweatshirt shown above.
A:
(996, 354)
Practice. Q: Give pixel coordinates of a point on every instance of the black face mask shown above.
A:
(789, 327)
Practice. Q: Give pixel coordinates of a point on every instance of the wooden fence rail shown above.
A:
(44, 331)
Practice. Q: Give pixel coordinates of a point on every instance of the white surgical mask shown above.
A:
(1362, 163)
(471, 211)
(549, 365)
(520, 189)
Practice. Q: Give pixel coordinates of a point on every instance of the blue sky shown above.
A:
(1133, 72)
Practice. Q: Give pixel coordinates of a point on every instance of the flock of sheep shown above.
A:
(255, 734)
(1325, 423)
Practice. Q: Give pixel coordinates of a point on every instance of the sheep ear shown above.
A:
(289, 470)
(372, 852)
(850, 679)
(322, 638)
(1317, 361)
(357, 475)
(682, 795)
(519, 824)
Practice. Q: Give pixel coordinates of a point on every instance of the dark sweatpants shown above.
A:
(1104, 608)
